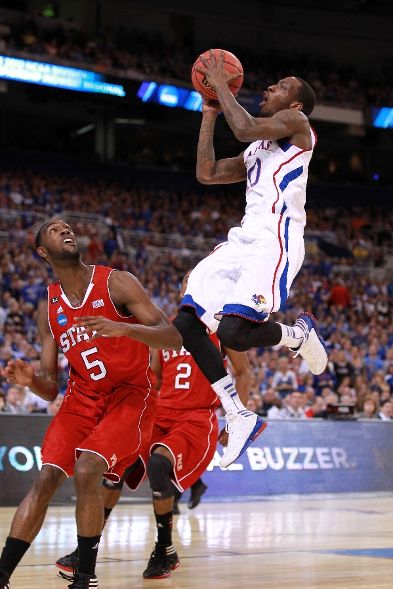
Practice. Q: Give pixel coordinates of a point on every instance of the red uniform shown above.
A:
(109, 405)
(186, 422)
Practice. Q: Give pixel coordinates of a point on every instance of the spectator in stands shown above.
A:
(52, 407)
(339, 294)
(346, 390)
(15, 401)
(284, 379)
(369, 409)
(330, 398)
(389, 377)
(346, 399)
(293, 407)
(373, 361)
(31, 291)
(2, 402)
(342, 367)
(14, 321)
(270, 399)
(386, 410)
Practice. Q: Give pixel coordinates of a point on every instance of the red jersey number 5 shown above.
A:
(100, 371)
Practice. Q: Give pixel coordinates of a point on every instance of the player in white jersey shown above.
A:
(245, 279)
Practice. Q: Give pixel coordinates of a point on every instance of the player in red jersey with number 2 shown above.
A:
(184, 437)
(104, 322)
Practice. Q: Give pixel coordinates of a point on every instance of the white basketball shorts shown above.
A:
(249, 275)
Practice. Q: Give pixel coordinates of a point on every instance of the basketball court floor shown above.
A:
(315, 542)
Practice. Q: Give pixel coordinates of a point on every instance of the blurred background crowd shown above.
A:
(151, 54)
(121, 171)
(354, 308)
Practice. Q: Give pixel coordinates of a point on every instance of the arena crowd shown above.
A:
(152, 55)
(354, 310)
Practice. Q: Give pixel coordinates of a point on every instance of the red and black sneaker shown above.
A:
(162, 561)
(69, 562)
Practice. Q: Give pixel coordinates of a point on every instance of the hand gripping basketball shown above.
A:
(215, 66)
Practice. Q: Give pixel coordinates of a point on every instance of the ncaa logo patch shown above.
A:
(62, 319)
(54, 300)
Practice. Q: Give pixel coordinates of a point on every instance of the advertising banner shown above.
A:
(291, 457)
(302, 457)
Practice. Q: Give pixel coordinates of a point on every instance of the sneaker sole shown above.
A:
(64, 568)
(158, 576)
(256, 432)
(173, 568)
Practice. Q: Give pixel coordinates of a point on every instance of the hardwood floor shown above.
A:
(340, 542)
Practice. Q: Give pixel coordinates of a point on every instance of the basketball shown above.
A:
(231, 65)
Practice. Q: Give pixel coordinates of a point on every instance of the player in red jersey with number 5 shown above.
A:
(182, 445)
(104, 322)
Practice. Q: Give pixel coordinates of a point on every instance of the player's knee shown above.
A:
(47, 482)
(88, 471)
(232, 333)
(159, 471)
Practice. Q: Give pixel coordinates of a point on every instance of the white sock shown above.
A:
(291, 336)
(226, 391)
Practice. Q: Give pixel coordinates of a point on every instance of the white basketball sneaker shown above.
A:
(243, 428)
(313, 348)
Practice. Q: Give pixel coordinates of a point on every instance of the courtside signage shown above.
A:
(290, 457)
(310, 456)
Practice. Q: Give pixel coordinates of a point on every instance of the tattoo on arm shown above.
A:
(205, 152)
(210, 171)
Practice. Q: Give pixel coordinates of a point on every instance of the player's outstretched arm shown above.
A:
(208, 170)
(289, 123)
(155, 330)
(43, 384)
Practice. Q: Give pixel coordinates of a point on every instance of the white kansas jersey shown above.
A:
(277, 174)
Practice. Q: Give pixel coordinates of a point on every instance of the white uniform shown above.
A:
(250, 274)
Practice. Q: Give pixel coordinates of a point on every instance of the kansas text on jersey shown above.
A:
(277, 173)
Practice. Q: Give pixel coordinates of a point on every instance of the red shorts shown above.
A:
(118, 432)
(191, 437)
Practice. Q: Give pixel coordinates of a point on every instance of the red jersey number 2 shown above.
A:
(182, 376)
(90, 362)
